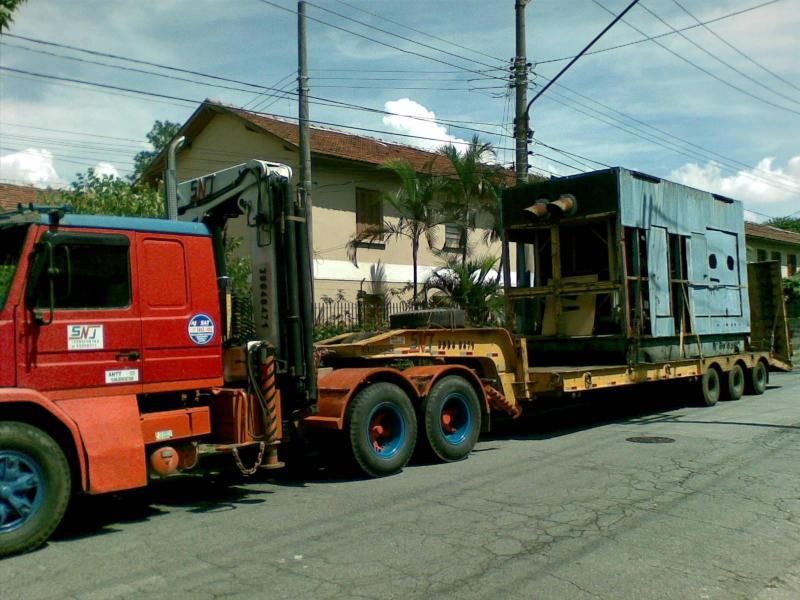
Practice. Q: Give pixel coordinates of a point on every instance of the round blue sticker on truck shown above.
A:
(201, 329)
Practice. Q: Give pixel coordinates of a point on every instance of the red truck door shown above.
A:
(94, 339)
(181, 334)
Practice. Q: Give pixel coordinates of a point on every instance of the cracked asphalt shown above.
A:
(556, 505)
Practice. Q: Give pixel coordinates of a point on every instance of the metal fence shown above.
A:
(355, 314)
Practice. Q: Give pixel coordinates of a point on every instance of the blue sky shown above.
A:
(731, 123)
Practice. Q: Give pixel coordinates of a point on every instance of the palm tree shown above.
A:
(416, 202)
(468, 185)
(472, 286)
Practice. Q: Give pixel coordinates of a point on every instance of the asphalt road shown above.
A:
(557, 505)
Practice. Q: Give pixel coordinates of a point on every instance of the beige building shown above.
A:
(770, 243)
(347, 191)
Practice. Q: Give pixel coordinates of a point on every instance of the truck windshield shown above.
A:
(11, 242)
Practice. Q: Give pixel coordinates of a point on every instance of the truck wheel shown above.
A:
(757, 379)
(35, 486)
(383, 429)
(734, 383)
(452, 416)
(709, 387)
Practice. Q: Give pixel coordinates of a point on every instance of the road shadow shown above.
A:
(636, 405)
(98, 515)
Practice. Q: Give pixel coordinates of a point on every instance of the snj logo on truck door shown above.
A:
(201, 329)
(85, 337)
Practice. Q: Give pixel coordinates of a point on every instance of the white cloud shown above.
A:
(32, 166)
(765, 186)
(104, 169)
(424, 125)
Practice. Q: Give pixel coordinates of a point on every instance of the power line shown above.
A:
(701, 69)
(397, 35)
(110, 137)
(653, 139)
(718, 59)
(418, 31)
(279, 92)
(661, 131)
(734, 48)
(366, 37)
(661, 35)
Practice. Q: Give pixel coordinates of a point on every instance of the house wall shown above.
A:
(788, 253)
(226, 141)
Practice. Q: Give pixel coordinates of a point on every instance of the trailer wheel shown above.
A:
(734, 382)
(35, 486)
(382, 428)
(710, 387)
(757, 379)
(452, 416)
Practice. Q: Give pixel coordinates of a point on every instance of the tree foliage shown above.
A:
(160, 135)
(416, 203)
(468, 186)
(473, 286)
(105, 195)
(7, 7)
(788, 223)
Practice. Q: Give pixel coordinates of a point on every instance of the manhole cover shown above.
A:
(650, 439)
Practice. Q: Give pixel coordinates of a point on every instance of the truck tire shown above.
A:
(709, 387)
(35, 485)
(734, 383)
(451, 415)
(757, 379)
(382, 428)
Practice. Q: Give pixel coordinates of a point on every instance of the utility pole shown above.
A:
(521, 83)
(305, 135)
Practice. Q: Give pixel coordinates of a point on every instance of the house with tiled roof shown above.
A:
(11, 195)
(346, 192)
(765, 242)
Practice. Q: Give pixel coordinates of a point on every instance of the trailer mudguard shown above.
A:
(19, 398)
(340, 385)
(425, 377)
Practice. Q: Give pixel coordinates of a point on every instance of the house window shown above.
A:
(777, 256)
(369, 210)
(454, 237)
(761, 255)
(791, 264)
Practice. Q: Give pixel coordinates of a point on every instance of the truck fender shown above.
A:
(425, 377)
(338, 387)
(17, 399)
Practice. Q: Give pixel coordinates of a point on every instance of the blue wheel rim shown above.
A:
(456, 418)
(386, 430)
(21, 489)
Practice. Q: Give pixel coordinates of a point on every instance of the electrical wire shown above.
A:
(702, 69)
(717, 58)
(376, 41)
(661, 35)
(439, 39)
(744, 55)
(397, 35)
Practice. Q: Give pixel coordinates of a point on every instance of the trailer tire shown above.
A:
(382, 428)
(35, 486)
(451, 415)
(710, 387)
(757, 379)
(734, 382)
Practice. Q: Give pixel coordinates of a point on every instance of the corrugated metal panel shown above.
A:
(715, 226)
